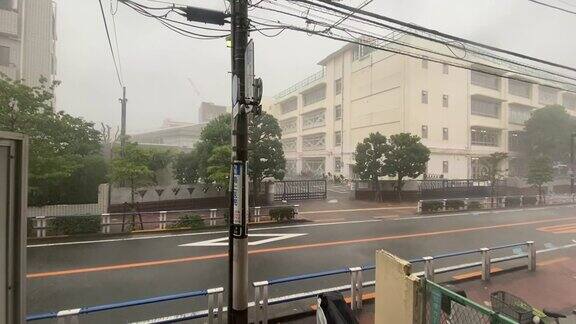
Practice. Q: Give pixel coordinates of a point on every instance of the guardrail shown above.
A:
(126, 222)
(262, 300)
(486, 203)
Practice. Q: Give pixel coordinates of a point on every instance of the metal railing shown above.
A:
(110, 223)
(308, 80)
(485, 203)
(262, 300)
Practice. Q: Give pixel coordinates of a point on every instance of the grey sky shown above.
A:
(157, 62)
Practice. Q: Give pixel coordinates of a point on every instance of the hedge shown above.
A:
(454, 204)
(193, 221)
(282, 213)
(474, 205)
(529, 201)
(512, 202)
(431, 206)
(71, 225)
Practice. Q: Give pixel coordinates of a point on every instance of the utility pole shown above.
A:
(238, 234)
(572, 163)
(123, 102)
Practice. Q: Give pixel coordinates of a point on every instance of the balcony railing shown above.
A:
(314, 77)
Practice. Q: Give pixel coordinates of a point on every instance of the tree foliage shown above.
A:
(63, 148)
(185, 167)
(371, 160)
(548, 133)
(540, 171)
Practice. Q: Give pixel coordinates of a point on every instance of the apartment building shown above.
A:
(27, 40)
(461, 115)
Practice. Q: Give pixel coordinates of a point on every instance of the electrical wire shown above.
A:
(553, 7)
(113, 13)
(110, 44)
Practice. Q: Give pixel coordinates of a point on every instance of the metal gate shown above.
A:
(300, 189)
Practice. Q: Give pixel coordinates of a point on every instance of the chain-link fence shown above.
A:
(443, 306)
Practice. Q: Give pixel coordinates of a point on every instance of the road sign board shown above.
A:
(249, 70)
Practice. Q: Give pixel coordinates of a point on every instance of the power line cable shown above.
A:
(431, 31)
(553, 7)
(110, 44)
(113, 13)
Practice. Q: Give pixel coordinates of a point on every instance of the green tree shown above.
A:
(548, 133)
(266, 158)
(540, 171)
(406, 157)
(216, 133)
(218, 169)
(61, 146)
(185, 167)
(133, 169)
(493, 171)
(370, 160)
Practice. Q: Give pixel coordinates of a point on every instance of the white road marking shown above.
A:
(354, 210)
(385, 216)
(195, 234)
(223, 241)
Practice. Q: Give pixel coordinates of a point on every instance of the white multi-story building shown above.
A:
(27, 40)
(460, 114)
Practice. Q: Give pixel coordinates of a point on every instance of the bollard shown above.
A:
(68, 316)
(356, 288)
(261, 301)
(41, 226)
(485, 263)
(443, 204)
(429, 268)
(213, 214)
(503, 202)
(521, 201)
(419, 210)
(257, 214)
(162, 219)
(486, 202)
(531, 250)
(296, 211)
(537, 200)
(105, 220)
(220, 301)
(466, 202)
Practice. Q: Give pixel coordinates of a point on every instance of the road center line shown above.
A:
(284, 248)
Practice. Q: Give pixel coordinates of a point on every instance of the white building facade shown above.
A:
(27, 40)
(461, 115)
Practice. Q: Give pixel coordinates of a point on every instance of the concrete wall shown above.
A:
(397, 291)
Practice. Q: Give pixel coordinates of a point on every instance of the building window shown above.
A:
(485, 80)
(484, 136)
(289, 126)
(425, 63)
(313, 166)
(569, 101)
(314, 119)
(519, 114)
(445, 133)
(338, 138)
(485, 108)
(360, 51)
(444, 166)
(289, 105)
(424, 97)
(337, 164)
(445, 68)
(338, 112)
(289, 144)
(338, 86)
(424, 131)
(445, 101)
(515, 140)
(519, 88)
(4, 55)
(547, 95)
(314, 96)
(314, 142)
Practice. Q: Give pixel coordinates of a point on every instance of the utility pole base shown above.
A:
(238, 317)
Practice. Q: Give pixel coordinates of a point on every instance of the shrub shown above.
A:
(431, 206)
(71, 225)
(512, 202)
(454, 204)
(281, 213)
(474, 205)
(193, 221)
(529, 201)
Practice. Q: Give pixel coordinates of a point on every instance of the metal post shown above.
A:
(419, 210)
(162, 219)
(296, 211)
(429, 268)
(466, 201)
(356, 288)
(68, 316)
(261, 301)
(572, 163)
(521, 200)
(123, 102)
(504, 202)
(105, 220)
(531, 250)
(215, 298)
(485, 263)
(40, 230)
(257, 214)
(443, 204)
(238, 236)
(213, 214)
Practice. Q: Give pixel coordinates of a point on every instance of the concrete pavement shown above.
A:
(84, 274)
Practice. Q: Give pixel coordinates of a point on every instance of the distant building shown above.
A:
(461, 115)
(209, 111)
(27, 40)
